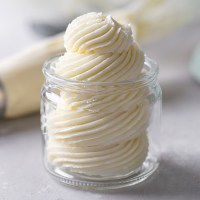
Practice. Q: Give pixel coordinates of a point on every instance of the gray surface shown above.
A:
(22, 175)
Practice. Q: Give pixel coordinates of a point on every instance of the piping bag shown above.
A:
(21, 76)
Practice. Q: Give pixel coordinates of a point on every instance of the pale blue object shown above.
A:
(195, 64)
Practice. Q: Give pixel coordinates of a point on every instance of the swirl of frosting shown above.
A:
(95, 32)
(117, 159)
(100, 133)
(81, 128)
(101, 67)
(103, 102)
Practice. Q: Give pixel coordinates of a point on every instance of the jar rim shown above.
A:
(146, 79)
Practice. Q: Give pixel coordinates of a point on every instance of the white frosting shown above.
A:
(85, 128)
(94, 32)
(111, 160)
(96, 67)
(99, 133)
(93, 55)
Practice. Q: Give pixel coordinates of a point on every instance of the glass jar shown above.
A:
(101, 135)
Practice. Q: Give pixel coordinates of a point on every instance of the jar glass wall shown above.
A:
(101, 135)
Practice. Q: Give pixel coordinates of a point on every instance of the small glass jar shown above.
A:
(101, 135)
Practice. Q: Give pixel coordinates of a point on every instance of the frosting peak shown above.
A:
(95, 32)
(99, 49)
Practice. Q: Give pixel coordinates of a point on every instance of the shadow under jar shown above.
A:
(101, 135)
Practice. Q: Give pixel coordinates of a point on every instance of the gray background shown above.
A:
(22, 175)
